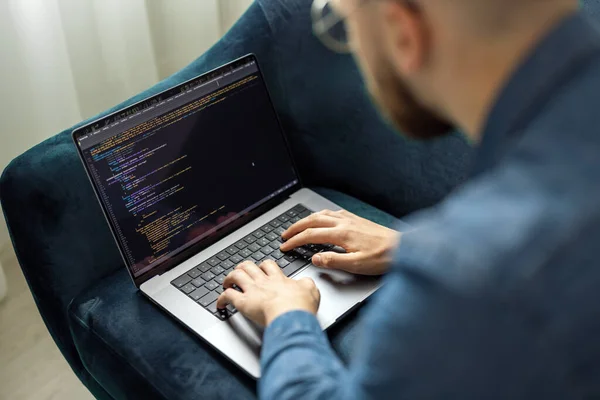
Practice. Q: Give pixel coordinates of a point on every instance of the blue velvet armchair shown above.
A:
(119, 344)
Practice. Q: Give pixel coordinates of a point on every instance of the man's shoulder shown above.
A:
(503, 227)
(572, 106)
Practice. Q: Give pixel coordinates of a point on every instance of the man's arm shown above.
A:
(418, 340)
(315, 371)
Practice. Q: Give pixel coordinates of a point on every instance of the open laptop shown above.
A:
(193, 181)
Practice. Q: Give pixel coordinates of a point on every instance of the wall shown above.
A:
(4, 239)
(67, 60)
(230, 10)
(180, 38)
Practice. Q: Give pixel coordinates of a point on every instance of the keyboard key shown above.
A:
(304, 214)
(223, 256)
(250, 239)
(267, 249)
(212, 308)
(208, 299)
(262, 242)
(276, 254)
(232, 250)
(188, 288)
(282, 263)
(207, 276)
(291, 213)
(258, 234)
(204, 267)
(279, 231)
(283, 218)
(271, 236)
(217, 270)
(291, 256)
(194, 273)
(295, 219)
(212, 285)
(294, 266)
(223, 314)
(219, 290)
(286, 225)
(220, 279)
(267, 228)
(241, 244)
(198, 282)
(246, 253)
(181, 281)
(276, 243)
(236, 259)
(299, 208)
(275, 223)
(254, 247)
(231, 308)
(299, 250)
(199, 293)
(214, 261)
(259, 255)
(227, 264)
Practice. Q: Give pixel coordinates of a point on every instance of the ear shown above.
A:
(406, 35)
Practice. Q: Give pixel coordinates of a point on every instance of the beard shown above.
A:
(401, 108)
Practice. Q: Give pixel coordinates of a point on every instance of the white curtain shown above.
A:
(66, 60)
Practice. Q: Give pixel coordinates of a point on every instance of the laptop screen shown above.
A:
(177, 168)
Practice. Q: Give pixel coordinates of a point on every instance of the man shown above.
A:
(494, 294)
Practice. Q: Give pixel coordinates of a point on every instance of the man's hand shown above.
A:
(267, 293)
(368, 245)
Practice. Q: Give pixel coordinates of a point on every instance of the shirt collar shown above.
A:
(554, 59)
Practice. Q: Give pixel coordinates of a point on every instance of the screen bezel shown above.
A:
(173, 261)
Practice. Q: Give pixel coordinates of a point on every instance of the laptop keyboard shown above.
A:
(204, 283)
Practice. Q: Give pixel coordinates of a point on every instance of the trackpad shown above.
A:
(247, 330)
(339, 278)
(340, 291)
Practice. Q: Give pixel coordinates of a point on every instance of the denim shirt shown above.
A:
(496, 292)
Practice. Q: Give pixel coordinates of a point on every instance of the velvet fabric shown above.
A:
(338, 140)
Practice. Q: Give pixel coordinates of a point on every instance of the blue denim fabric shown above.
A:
(494, 294)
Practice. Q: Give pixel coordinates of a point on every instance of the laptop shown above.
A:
(197, 179)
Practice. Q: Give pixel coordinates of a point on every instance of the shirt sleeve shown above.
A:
(418, 340)
(297, 338)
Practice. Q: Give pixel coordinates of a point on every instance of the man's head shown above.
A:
(431, 65)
